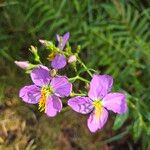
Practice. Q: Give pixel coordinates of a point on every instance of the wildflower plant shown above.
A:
(50, 85)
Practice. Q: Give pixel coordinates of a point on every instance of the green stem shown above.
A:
(85, 67)
(132, 105)
(78, 78)
(77, 94)
(82, 79)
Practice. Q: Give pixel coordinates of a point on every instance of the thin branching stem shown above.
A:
(84, 66)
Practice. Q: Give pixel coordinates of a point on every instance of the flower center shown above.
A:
(98, 108)
(45, 92)
(51, 56)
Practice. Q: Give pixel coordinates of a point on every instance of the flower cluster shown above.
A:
(49, 87)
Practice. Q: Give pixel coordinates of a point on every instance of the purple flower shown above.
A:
(62, 40)
(60, 60)
(99, 100)
(22, 64)
(46, 91)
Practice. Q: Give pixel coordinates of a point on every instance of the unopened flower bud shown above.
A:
(48, 44)
(87, 86)
(78, 49)
(33, 49)
(72, 59)
(42, 42)
(53, 72)
(22, 64)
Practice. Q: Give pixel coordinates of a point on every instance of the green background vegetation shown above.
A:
(115, 39)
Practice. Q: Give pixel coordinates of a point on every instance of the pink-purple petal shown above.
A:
(59, 62)
(81, 105)
(65, 38)
(30, 94)
(53, 106)
(58, 38)
(100, 85)
(40, 76)
(61, 86)
(95, 124)
(115, 102)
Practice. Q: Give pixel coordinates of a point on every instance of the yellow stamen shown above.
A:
(51, 56)
(42, 100)
(45, 92)
(98, 109)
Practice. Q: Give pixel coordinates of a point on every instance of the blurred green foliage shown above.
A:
(115, 39)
